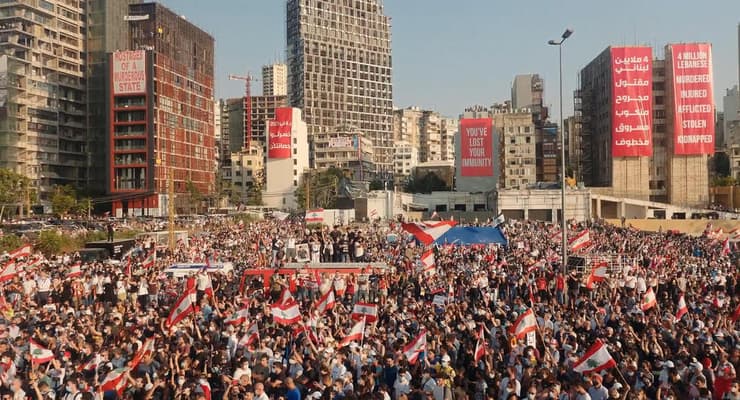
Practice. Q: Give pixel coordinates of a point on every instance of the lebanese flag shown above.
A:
(209, 285)
(524, 324)
(286, 297)
(416, 347)
(286, 313)
(726, 247)
(326, 302)
(147, 349)
(238, 317)
(428, 232)
(598, 274)
(114, 381)
(736, 314)
(596, 359)
(648, 301)
(557, 236)
(656, 262)
(681, 309)
(23, 251)
(75, 271)
(184, 306)
(206, 387)
(91, 364)
(582, 240)
(357, 333)
(252, 335)
(427, 262)
(150, 259)
(480, 346)
(39, 353)
(10, 270)
(365, 310)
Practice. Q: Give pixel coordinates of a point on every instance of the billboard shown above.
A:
(476, 147)
(693, 112)
(343, 141)
(279, 133)
(129, 72)
(632, 101)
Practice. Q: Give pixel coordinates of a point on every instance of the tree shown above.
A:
(724, 181)
(63, 200)
(377, 184)
(721, 164)
(323, 188)
(15, 190)
(194, 194)
(427, 184)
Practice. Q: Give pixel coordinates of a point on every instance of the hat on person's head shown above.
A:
(668, 364)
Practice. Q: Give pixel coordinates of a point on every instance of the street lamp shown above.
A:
(564, 227)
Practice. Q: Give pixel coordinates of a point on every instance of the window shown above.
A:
(528, 139)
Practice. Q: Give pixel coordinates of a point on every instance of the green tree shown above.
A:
(15, 190)
(377, 184)
(427, 184)
(721, 164)
(49, 243)
(10, 243)
(724, 181)
(323, 188)
(64, 200)
(195, 196)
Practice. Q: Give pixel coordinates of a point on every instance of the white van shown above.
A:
(187, 269)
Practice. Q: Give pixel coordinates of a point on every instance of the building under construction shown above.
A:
(160, 120)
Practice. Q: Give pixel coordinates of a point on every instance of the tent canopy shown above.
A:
(467, 235)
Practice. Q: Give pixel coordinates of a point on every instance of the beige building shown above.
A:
(405, 158)
(42, 92)
(275, 80)
(339, 68)
(450, 127)
(518, 150)
(426, 131)
(346, 148)
(247, 171)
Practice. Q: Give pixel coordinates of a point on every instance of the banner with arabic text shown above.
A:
(632, 100)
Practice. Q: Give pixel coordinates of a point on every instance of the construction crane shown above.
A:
(247, 106)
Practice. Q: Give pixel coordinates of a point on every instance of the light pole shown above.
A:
(564, 227)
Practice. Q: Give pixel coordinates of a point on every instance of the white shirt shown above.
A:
(43, 284)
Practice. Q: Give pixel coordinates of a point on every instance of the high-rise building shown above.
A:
(431, 136)
(407, 127)
(517, 151)
(527, 92)
(339, 68)
(449, 131)
(263, 110)
(161, 117)
(627, 176)
(275, 80)
(42, 92)
(647, 125)
(107, 31)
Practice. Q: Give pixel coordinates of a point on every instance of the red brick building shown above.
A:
(161, 115)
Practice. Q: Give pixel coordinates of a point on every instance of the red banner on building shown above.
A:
(632, 101)
(279, 134)
(693, 112)
(476, 147)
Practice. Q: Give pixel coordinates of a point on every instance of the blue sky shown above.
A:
(451, 54)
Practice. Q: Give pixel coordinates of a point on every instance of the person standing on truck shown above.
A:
(110, 231)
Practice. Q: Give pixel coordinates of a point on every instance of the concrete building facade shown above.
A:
(449, 130)
(275, 80)
(518, 152)
(284, 174)
(161, 124)
(347, 148)
(43, 99)
(246, 171)
(263, 110)
(339, 68)
(627, 176)
(405, 158)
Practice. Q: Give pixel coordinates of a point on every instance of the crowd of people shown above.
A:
(442, 329)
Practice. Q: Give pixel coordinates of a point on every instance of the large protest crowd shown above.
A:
(645, 316)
